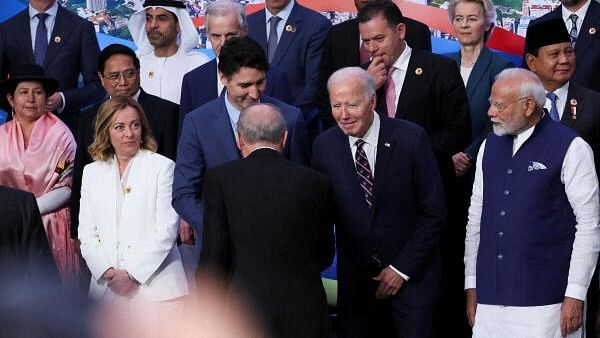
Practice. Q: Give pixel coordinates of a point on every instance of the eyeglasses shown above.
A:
(500, 106)
(116, 76)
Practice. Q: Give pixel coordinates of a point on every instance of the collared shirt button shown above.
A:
(502, 213)
(506, 192)
(500, 234)
(500, 257)
(509, 171)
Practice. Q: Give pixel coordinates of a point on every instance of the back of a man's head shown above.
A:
(241, 52)
(261, 124)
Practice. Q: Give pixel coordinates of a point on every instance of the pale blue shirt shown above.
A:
(284, 14)
(233, 113)
(33, 22)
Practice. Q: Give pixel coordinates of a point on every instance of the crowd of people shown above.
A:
(463, 191)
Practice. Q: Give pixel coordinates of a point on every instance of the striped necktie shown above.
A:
(363, 170)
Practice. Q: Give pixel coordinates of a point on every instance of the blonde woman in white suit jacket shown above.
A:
(127, 226)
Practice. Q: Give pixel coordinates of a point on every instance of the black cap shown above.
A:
(546, 33)
(29, 72)
(166, 3)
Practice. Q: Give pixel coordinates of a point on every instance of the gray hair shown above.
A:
(353, 74)
(225, 8)
(261, 123)
(489, 12)
(529, 84)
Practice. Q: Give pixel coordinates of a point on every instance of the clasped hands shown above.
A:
(120, 282)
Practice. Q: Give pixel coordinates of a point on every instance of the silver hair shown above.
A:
(489, 12)
(267, 127)
(529, 84)
(224, 8)
(351, 74)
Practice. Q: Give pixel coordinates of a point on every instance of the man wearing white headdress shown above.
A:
(165, 36)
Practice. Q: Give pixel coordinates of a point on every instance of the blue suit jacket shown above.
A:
(479, 86)
(200, 86)
(407, 217)
(299, 50)
(587, 48)
(207, 140)
(73, 49)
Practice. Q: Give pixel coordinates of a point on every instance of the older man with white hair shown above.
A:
(533, 237)
(165, 36)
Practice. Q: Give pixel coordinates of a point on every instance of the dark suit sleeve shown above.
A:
(431, 210)
(299, 151)
(326, 235)
(77, 98)
(189, 177)
(186, 102)
(169, 143)
(215, 257)
(325, 70)
(307, 99)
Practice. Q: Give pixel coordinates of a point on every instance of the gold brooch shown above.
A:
(57, 39)
(592, 30)
(419, 71)
(290, 28)
(128, 189)
(151, 74)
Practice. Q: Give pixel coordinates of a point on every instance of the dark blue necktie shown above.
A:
(573, 32)
(41, 39)
(273, 37)
(363, 170)
(553, 109)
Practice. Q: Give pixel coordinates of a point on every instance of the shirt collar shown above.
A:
(51, 11)
(371, 136)
(562, 91)
(232, 111)
(580, 12)
(284, 14)
(402, 61)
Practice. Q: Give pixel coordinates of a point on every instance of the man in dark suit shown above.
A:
(224, 19)
(208, 133)
(424, 88)
(390, 213)
(550, 55)
(582, 21)
(119, 69)
(295, 46)
(24, 252)
(343, 49)
(70, 49)
(268, 231)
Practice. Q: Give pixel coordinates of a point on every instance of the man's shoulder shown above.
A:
(308, 13)
(435, 60)
(554, 14)
(153, 102)
(74, 18)
(207, 111)
(200, 71)
(15, 20)
(344, 27)
(286, 109)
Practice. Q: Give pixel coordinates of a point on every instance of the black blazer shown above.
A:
(434, 97)
(72, 50)
(342, 50)
(163, 119)
(268, 235)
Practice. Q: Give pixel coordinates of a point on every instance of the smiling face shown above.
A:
(245, 87)
(161, 27)
(28, 100)
(125, 132)
(382, 40)
(469, 23)
(351, 108)
(554, 64)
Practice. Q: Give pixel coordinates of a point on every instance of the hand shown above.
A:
(186, 233)
(108, 274)
(471, 305)
(121, 284)
(378, 71)
(390, 283)
(571, 315)
(54, 102)
(462, 163)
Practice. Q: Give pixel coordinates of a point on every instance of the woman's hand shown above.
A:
(122, 283)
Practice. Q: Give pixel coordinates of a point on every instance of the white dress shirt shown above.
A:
(284, 14)
(561, 100)
(580, 16)
(578, 175)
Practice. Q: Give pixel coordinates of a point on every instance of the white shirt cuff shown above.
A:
(576, 291)
(64, 103)
(470, 282)
(405, 277)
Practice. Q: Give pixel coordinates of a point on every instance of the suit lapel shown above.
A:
(294, 22)
(223, 132)
(25, 39)
(385, 146)
(60, 34)
(412, 83)
(573, 106)
(261, 29)
(348, 168)
(481, 66)
(591, 20)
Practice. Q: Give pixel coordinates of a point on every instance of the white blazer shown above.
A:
(143, 243)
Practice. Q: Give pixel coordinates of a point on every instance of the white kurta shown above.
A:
(163, 76)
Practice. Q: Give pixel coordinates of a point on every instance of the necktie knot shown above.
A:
(273, 21)
(42, 17)
(390, 70)
(359, 143)
(553, 108)
(573, 18)
(552, 97)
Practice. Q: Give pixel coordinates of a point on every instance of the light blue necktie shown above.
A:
(553, 109)
(273, 37)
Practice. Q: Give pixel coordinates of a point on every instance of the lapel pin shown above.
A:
(573, 102)
(150, 74)
(574, 112)
(290, 28)
(419, 71)
(386, 144)
(128, 189)
(592, 30)
(57, 39)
